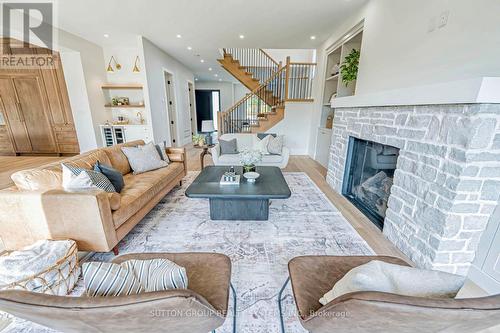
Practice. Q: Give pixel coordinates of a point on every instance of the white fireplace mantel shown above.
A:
(470, 91)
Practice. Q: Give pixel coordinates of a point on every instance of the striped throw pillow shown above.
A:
(108, 279)
(86, 177)
(158, 274)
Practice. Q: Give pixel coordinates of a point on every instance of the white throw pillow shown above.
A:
(396, 279)
(261, 145)
(275, 144)
(75, 182)
(144, 158)
(75, 178)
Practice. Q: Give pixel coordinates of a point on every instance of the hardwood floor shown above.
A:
(11, 164)
(313, 169)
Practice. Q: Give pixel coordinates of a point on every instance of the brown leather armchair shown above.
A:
(312, 276)
(200, 309)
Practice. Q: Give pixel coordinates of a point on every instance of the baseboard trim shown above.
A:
(484, 281)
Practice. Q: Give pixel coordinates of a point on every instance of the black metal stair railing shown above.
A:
(255, 61)
(255, 106)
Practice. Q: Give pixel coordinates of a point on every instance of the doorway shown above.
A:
(170, 101)
(192, 109)
(207, 106)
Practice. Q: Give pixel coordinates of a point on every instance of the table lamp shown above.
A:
(207, 127)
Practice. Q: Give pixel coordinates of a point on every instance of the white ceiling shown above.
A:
(205, 25)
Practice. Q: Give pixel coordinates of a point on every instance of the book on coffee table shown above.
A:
(225, 181)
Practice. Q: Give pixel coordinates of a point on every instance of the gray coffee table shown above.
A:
(244, 202)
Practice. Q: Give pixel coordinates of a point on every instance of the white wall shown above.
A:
(87, 104)
(80, 107)
(398, 50)
(126, 56)
(296, 127)
(296, 55)
(155, 62)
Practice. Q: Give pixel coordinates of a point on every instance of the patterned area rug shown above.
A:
(305, 224)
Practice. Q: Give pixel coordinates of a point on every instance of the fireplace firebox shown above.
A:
(368, 178)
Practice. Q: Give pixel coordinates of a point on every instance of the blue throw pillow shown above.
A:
(114, 176)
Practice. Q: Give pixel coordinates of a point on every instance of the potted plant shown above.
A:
(349, 67)
(249, 158)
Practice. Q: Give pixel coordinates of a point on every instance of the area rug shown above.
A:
(305, 224)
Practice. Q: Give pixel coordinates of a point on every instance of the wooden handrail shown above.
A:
(303, 63)
(253, 92)
(270, 58)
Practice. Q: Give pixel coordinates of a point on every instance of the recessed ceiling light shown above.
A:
(313, 37)
(209, 68)
(202, 60)
(189, 48)
(178, 36)
(196, 79)
(220, 79)
(242, 36)
(106, 35)
(216, 75)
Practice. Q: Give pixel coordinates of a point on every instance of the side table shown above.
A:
(205, 151)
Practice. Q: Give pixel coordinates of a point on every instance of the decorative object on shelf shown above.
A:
(349, 68)
(198, 140)
(207, 127)
(335, 69)
(136, 68)
(249, 158)
(329, 121)
(119, 101)
(110, 67)
(251, 177)
(47, 266)
(122, 120)
(141, 117)
(333, 96)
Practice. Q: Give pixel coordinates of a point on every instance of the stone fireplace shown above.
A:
(447, 178)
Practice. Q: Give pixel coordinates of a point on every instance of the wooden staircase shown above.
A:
(270, 83)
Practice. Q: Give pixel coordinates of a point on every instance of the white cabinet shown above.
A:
(323, 145)
(116, 134)
(136, 132)
(485, 269)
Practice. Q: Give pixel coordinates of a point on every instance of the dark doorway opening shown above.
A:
(207, 106)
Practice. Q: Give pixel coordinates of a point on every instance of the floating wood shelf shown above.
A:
(336, 76)
(124, 106)
(121, 86)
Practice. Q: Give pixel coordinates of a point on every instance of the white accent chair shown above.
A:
(247, 141)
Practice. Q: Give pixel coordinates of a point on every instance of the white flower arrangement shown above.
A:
(250, 157)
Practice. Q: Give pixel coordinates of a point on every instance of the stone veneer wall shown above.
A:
(447, 181)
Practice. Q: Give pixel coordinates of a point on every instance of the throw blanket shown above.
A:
(34, 259)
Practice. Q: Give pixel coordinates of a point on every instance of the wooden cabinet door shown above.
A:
(35, 114)
(13, 116)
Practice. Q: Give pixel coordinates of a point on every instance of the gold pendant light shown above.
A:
(110, 67)
(136, 67)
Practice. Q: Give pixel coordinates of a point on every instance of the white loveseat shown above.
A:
(247, 141)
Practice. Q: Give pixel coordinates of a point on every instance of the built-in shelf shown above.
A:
(333, 77)
(121, 86)
(124, 106)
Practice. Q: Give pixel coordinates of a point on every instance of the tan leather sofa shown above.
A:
(96, 220)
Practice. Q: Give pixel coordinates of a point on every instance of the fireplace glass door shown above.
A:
(368, 177)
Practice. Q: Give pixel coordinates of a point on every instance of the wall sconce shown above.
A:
(110, 68)
(136, 67)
